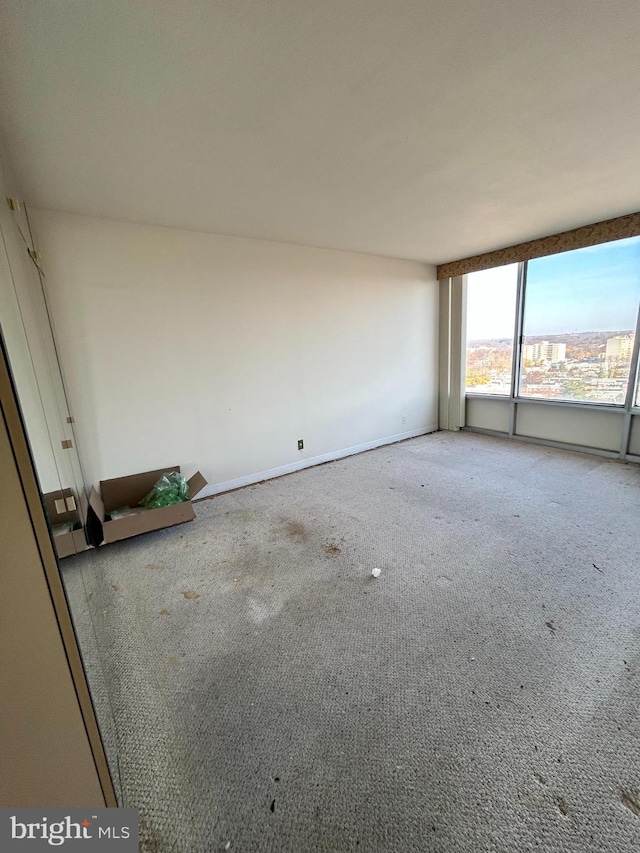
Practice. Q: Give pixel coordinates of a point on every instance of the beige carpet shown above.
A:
(263, 692)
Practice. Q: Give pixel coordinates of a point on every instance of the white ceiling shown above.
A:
(427, 129)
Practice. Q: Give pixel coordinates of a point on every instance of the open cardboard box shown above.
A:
(56, 508)
(128, 492)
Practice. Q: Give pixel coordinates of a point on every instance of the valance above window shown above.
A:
(578, 238)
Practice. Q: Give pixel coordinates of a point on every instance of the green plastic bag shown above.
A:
(171, 488)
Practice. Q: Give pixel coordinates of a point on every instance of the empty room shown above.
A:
(320, 367)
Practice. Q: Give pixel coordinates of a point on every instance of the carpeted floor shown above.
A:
(264, 693)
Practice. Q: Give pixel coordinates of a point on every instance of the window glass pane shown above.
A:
(491, 317)
(580, 315)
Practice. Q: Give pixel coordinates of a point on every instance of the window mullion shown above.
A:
(517, 345)
(632, 391)
(632, 385)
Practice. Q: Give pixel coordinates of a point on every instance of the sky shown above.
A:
(586, 290)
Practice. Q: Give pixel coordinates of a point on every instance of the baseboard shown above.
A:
(260, 476)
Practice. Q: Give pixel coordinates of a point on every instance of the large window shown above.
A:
(491, 316)
(580, 314)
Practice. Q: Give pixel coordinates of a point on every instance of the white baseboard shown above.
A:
(249, 479)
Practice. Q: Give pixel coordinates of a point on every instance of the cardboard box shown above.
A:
(56, 507)
(128, 492)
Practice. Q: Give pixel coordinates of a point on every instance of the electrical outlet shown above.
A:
(404, 419)
(300, 444)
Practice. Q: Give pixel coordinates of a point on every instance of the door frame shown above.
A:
(9, 409)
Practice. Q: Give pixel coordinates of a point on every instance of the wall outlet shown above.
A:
(404, 419)
(300, 444)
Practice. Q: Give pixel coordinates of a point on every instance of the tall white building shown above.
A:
(619, 348)
(545, 352)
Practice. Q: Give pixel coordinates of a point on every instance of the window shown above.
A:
(491, 317)
(580, 314)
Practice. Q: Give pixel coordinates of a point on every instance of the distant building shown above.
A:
(544, 352)
(619, 348)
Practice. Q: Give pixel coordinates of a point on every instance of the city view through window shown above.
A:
(580, 314)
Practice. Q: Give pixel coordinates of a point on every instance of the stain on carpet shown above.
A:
(630, 803)
(296, 530)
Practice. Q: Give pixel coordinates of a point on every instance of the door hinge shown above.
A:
(13, 203)
(67, 444)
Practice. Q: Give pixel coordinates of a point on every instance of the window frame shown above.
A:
(479, 394)
(630, 407)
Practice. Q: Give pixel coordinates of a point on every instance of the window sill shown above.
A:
(540, 401)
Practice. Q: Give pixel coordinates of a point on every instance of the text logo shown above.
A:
(75, 829)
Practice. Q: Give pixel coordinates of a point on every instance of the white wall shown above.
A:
(220, 353)
(487, 414)
(594, 429)
(601, 430)
(634, 438)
